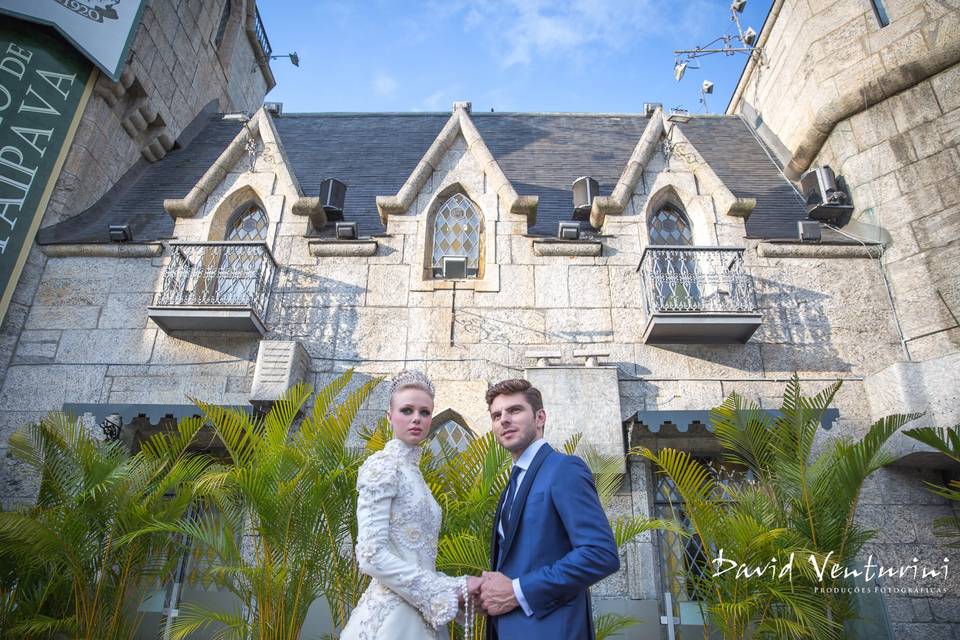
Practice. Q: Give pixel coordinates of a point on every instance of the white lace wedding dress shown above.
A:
(398, 526)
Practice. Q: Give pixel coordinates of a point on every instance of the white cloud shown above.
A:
(442, 99)
(526, 29)
(384, 85)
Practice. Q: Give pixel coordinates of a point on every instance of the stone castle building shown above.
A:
(249, 267)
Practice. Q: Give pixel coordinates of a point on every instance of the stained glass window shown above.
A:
(236, 281)
(250, 224)
(670, 226)
(449, 437)
(457, 231)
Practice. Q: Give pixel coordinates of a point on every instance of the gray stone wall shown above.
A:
(819, 52)
(879, 105)
(901, 162)
(174, 70)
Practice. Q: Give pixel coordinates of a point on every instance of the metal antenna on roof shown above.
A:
(728, 44)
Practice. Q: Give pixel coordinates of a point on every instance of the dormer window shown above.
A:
(457, 233)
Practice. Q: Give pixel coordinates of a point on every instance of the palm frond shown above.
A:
(607, 625)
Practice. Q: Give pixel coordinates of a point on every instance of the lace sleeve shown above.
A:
(434, 594)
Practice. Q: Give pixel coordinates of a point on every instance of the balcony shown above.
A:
(697, 295)
(215, 286)
(260, 33)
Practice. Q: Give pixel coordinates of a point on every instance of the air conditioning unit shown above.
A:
(280, 365)
(823, 198)
(333, 194)
(454, 267)
(585, 189)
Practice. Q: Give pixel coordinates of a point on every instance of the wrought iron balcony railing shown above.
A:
(697, 294)
(261, 34)
(225, 285)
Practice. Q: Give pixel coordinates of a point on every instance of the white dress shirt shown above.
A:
(523, 462)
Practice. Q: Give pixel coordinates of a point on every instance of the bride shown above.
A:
(398, 526)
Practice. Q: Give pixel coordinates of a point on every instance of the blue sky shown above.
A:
(509, 55)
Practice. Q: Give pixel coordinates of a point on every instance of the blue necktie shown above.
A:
(508, 500)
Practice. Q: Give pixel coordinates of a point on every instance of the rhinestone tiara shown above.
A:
(411, 378)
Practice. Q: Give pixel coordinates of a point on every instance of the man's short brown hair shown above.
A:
(516, 385)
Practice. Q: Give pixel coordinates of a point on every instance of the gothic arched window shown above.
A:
(457, 232)
(249, 223)
(240, 264)
(669, 225)
(676, 274)
(448, 437)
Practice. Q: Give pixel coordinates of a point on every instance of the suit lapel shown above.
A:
(521, 500)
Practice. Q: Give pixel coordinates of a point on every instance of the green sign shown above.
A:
(44, 85)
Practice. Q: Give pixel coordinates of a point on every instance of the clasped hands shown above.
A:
(492, 593)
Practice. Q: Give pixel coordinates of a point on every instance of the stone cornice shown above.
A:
(459, 123)
(104, 250)
(260, 125)
(817, 250)
(617, 201)
(342, 248)
(556, 247)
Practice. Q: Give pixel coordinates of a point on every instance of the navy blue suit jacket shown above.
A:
(559, 543)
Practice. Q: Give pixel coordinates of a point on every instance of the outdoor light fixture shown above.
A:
(678, 70)
(294, 58)
(346, 230)
(454, 267)
(585, 189)
(808, 230)
(568, 230)
(120, 233)
(705, 89)
(728, 44)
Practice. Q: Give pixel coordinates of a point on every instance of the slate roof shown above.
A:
(137, 198)
(541, 154)
(742, 164)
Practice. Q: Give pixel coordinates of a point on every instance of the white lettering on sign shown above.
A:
(57, 79)
(19, 164)
(31, 135)
(5, 204)
(46, 109)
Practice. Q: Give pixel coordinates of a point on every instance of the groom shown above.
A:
(551, 538)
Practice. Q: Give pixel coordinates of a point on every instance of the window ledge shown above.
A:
(588, 248)
(104, 250)
(342, 248)
(817, 250)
